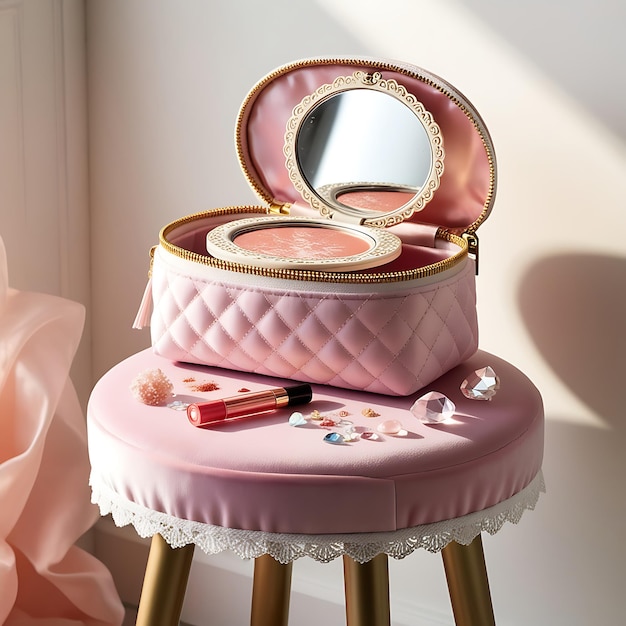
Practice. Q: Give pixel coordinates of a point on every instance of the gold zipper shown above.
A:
(304, 275)
(152, 251)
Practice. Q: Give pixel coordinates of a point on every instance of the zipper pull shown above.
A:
(142, 319)
(472, 246)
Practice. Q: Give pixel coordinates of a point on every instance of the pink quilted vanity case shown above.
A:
(358, 268)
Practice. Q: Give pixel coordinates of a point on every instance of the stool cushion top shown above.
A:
(264, 474)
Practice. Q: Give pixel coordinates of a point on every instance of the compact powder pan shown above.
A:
(302, 243)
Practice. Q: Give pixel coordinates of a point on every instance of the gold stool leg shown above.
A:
(467, 583)
(367, 591)
(164, 584)
(271, 588)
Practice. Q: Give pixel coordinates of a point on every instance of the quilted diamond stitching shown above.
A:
(339, 340)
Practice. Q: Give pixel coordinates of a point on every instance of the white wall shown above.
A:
(165, 82)
(44, 217)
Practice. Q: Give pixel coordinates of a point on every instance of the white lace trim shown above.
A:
(285, 548)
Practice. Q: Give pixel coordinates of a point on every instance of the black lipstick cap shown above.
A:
(299, 394)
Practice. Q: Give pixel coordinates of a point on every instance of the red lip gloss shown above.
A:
(247, 404)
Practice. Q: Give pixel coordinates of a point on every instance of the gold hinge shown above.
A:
(279, 209)
(373, 78)
(472, 246)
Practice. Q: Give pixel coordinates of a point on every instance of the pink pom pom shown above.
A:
(152, 387)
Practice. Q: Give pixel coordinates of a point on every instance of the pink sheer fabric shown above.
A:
(44, 468)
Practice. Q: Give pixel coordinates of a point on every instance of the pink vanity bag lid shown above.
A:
(467, 187)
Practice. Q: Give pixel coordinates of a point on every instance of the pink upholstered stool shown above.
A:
(275, 492)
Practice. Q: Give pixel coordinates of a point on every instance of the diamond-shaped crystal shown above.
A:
(433, 407)
(481, 384)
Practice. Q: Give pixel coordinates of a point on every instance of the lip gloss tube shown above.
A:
(247, 404)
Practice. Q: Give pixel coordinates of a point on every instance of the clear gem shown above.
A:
(334, 438)
(481, 384)
(178, 405)
(297, 419)
(349, 432)
(389, 427)
(433, 408)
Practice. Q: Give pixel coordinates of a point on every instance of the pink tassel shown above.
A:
(145, 308)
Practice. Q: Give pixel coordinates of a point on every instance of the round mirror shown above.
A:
(364, 148)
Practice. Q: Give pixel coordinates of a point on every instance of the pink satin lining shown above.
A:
(465, 184)
(264, 474)
(44, 470)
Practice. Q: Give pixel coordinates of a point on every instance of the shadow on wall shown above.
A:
(574, 307)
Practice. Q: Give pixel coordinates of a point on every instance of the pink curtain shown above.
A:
(44, 495)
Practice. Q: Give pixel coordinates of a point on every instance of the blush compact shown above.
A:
(307, 243)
